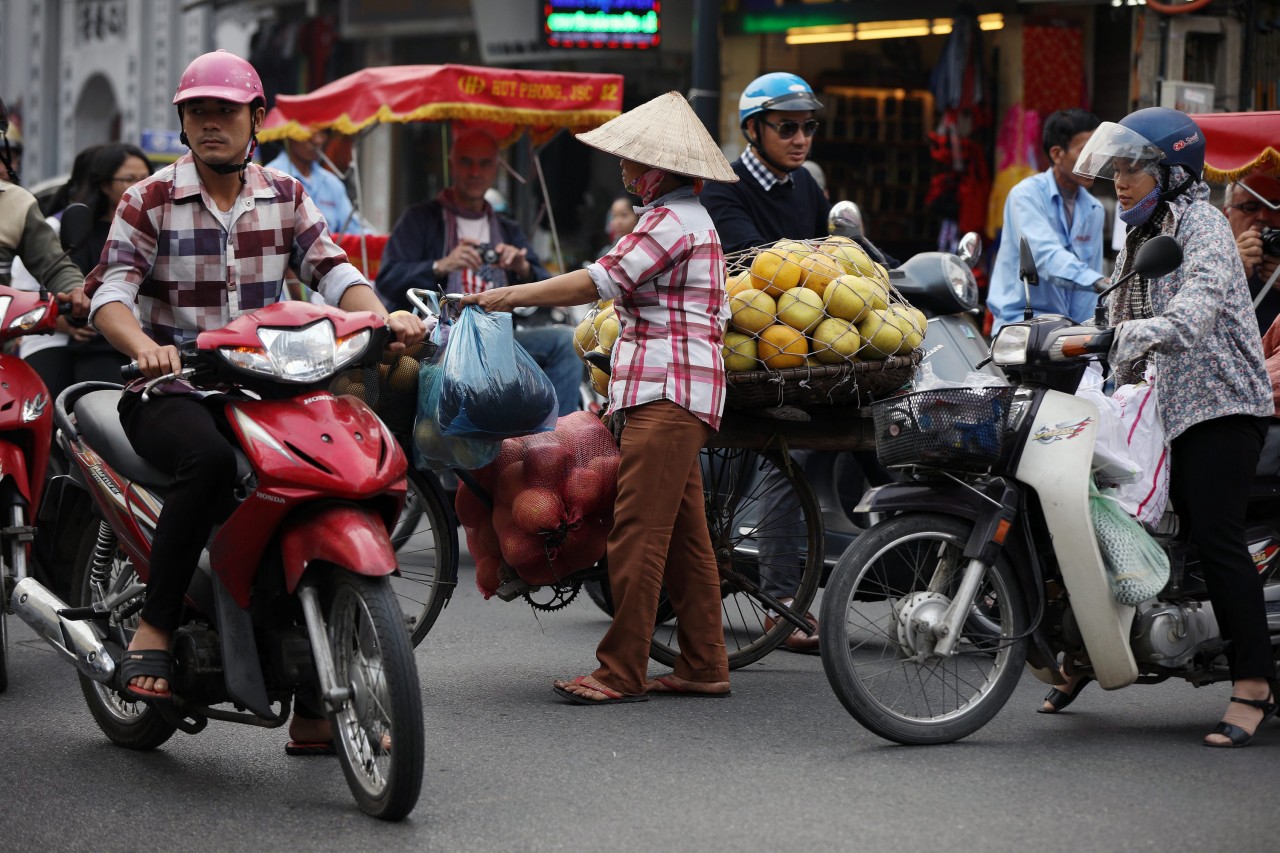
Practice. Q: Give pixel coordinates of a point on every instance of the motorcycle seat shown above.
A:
(98, 420)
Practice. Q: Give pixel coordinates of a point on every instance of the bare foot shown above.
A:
(585, 687)
(149, 637)
(1246, 717)
(308, 730)
(672, 683)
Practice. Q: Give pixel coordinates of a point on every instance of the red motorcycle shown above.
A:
(26, 427)
(293, 593)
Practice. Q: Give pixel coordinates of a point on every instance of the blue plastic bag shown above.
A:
(491, 388)
(431, 448)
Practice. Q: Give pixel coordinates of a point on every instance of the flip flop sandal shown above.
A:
(157, 663)
(614, 697)
(310, 748)
(673, 689)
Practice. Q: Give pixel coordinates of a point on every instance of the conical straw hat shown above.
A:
(664, 133)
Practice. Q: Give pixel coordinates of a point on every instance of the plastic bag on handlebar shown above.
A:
(1137, 566)
(431, 448)
(491, 387)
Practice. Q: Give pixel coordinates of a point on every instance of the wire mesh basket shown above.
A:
(390, 387)
(958, 428)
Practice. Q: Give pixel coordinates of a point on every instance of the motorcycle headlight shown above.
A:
(305, 355)
(29, 319)
(961, 280)
(1010, 345)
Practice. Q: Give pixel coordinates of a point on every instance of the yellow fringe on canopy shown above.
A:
(1268, 160)
(445, 111)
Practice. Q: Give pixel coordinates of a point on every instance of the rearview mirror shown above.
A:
(970, 249)
(1027, 264)
(845, 220)
(77, 224)
(1158, 256)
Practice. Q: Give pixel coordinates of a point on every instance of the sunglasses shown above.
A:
(1252, 208)
(787, 129)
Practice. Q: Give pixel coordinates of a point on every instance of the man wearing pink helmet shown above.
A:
(197, 244)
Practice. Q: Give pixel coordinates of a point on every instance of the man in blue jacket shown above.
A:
(1062, 223)
(457, 243)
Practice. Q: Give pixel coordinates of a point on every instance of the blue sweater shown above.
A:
(745, 215)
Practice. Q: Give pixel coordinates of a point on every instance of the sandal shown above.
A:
(1060, 699)
(136, 663)
(612, 697)
(665, 685)
(1237, 735)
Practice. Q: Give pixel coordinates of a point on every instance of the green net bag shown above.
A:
(1136, 564)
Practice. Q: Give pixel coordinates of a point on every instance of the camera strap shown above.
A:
(1266, 288)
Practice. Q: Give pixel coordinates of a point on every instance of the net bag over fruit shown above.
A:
(389, 387)
(810, 305)
(547, 506)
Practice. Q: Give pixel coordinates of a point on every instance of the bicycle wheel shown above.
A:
(766, 532)
(103, 568)
(378, 731)
(877, 647)
(426, 542)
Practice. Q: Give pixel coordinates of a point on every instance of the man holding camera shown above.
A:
(457, 243)
(1253, 209)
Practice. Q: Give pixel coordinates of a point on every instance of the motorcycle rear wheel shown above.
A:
(133, 725)
(426, 542)
(378, 732)
(741, 490)
(868, 609)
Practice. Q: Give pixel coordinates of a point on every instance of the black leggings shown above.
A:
(190, 440)
(1211, 468)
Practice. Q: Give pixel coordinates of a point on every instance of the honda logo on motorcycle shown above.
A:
(1050, 434)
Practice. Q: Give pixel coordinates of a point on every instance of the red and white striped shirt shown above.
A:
(667, 281)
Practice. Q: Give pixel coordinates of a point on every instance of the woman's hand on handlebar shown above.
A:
(407, 328)
(158, 361)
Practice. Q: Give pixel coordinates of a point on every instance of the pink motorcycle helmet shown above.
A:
(220, 75)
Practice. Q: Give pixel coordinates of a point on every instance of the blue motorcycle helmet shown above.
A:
(777, 90)
(1155, 136)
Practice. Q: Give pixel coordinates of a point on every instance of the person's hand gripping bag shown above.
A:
(491, 388)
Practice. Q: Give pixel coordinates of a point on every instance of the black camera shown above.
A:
(488, 254)
(1271, 242)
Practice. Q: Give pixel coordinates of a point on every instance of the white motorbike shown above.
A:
(986, 555)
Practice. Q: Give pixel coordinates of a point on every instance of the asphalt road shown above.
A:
(509, 767)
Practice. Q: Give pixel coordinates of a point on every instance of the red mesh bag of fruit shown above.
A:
(547, 506)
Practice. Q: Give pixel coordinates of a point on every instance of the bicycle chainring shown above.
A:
(558, 596)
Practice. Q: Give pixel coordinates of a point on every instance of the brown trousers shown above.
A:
(660, 535)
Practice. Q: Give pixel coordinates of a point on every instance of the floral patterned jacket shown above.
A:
(1203, 335)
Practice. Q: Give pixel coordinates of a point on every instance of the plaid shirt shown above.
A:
(169, 252)
(760, 171)
(667, 280)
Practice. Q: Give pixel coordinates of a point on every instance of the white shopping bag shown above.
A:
(1131, 427)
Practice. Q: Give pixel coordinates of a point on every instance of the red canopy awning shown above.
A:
(511, 99)
(1238, 144)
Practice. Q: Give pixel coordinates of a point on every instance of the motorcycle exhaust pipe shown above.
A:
(74, 640)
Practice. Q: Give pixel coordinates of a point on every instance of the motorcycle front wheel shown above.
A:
(895, 579)
(378, 731)
(101, 569)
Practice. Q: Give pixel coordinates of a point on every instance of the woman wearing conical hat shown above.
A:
(666, 280)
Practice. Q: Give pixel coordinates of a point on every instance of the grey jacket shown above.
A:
(25, 234)
(1207, 350)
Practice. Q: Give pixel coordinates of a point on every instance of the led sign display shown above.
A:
(609, 24)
